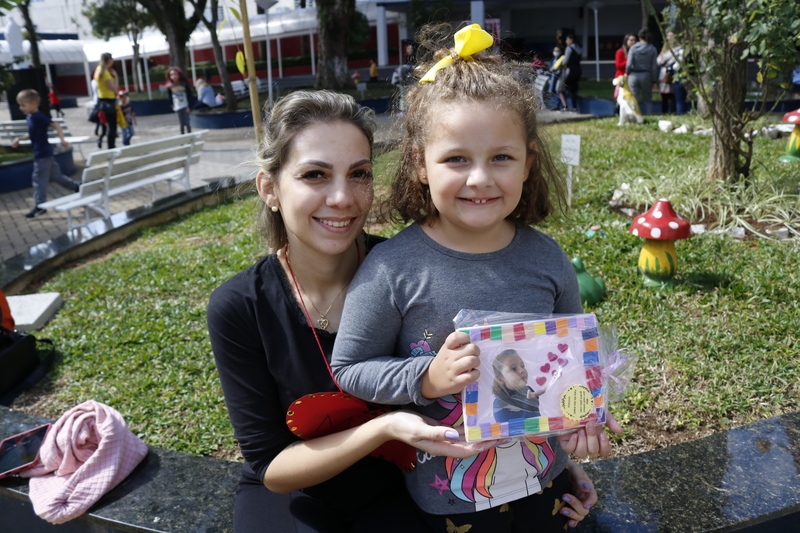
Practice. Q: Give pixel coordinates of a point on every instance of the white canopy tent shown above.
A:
(278, 25)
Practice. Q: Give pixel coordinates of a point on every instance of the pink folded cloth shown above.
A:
(88, 452)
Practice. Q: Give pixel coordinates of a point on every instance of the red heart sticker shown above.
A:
(541, 381)
(545, 368)
(562, 348)
(551, 356)
(319, 414)
(562, 362)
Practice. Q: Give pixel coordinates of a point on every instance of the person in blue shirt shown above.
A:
(514, 398)
(45, 167)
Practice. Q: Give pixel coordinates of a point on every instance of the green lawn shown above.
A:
(719, 350)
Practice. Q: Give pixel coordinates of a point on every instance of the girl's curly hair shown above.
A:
(485, 77)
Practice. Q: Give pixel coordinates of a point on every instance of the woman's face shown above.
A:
(632, 40)
(174, 76)
(324, 191)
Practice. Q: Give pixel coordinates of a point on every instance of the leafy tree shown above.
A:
(427, 12)
(718, 37)
(115, 17)
(170, 18)
(212, 25)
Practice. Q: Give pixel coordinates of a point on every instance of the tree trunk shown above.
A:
(136, 81)
(32, 37)
(334, 17)
(645, 4)
(731, 154)
(219, 60)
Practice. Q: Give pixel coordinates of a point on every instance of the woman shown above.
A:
(180, 95)
(107, 87)
(621, 59)
(272, 329)
(666, 60)
(205, 94)
(572, 60)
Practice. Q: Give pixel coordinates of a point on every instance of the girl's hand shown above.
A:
(454, 367)
(583, 495)
(589, 440)
(427, 435)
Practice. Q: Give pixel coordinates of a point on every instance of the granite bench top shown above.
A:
(745, 479)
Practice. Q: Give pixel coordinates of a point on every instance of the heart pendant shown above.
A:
(323, 322)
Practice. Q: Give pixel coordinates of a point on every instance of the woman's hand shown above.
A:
(427, 435)
(589, 440)
(583, 495)
(454, 367)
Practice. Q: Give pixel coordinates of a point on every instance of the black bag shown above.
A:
(93, 117)
(20, 365)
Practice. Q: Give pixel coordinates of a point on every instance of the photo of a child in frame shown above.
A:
(514, 397)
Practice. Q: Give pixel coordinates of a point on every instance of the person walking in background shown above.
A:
(107, 87)
(55, 101)
(642, 70)
(130, 117)
(621, 59)
(45, 167)
(180, 94)
(373, 70)
(557, 79)
(666, 60)
(572, 60)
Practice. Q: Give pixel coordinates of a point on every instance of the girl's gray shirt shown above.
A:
(400, 309)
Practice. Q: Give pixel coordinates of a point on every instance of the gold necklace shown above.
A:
(322, 322)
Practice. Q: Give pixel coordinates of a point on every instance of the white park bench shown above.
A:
(112, 172)
(12, 129)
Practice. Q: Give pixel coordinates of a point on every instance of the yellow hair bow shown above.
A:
(469, 40)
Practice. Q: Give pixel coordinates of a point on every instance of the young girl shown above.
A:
(180, 94)
(514, 398)
(473, 176)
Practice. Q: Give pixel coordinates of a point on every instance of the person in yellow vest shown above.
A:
(107, 86)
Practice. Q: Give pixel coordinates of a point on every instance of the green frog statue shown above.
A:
(592, 289)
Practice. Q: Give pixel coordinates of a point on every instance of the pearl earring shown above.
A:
(274, 208)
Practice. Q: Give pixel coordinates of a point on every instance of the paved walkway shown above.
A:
(226, 154)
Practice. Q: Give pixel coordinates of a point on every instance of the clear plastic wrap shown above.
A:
(541, 374)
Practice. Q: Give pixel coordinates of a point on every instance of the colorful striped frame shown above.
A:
(583, 326)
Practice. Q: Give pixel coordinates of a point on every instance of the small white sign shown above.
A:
(362, 86)
(571, 149)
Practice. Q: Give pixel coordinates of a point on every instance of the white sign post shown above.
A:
(571, 156)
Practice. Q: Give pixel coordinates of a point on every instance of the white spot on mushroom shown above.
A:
(794, 118)
(658, 214)
(635, 232)
(641, 220)
(673, 225)
(655, 233)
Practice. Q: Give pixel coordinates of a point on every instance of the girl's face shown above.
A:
(174, 76)
(632, 40)
(514, 376)
(475, 163)
(324, 190)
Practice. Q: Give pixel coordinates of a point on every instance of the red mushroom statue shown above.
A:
(660, 227)
(793, 146)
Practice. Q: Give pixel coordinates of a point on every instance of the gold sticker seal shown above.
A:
(577, 402)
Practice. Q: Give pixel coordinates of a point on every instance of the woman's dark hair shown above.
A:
(485, 77)
(290, 116)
